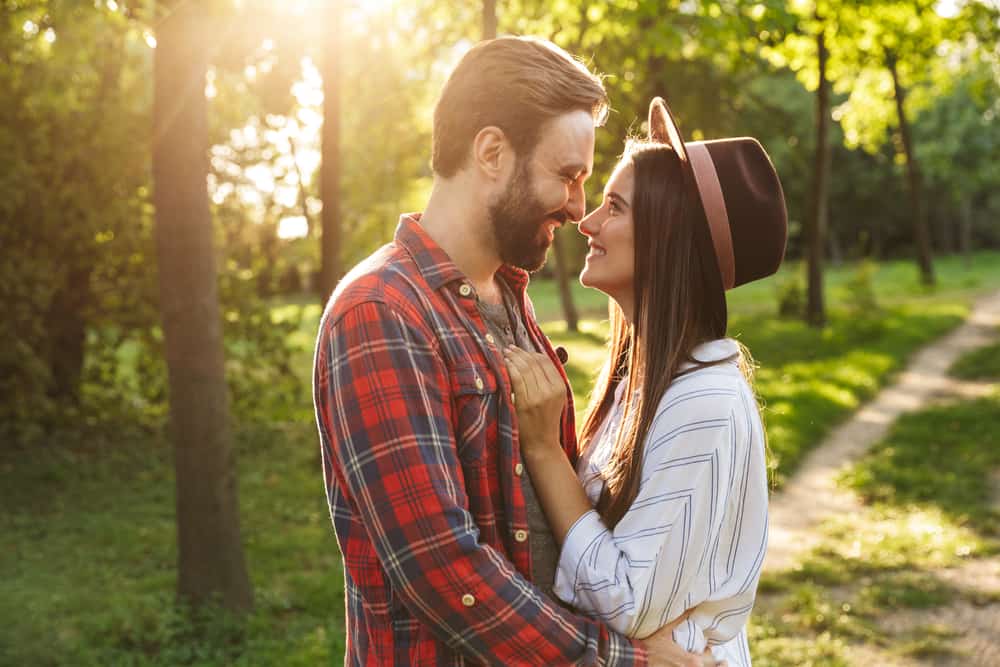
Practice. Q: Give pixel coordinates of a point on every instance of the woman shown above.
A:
(666, 514)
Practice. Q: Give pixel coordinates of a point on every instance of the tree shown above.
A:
(331, 269)
(816, 230)
(893, 49)
(211, 557)
(489, 19)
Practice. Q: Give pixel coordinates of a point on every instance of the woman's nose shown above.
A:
(591, 224)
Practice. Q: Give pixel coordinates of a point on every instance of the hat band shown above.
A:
(707, 180)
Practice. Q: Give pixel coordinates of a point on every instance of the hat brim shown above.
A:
(663, 128)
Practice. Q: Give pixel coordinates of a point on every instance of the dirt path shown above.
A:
(811, 495)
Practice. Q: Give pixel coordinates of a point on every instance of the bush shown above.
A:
(791, 295)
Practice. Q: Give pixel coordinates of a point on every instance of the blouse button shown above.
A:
(512, 398)
(468, 600)
(479, 383)
(519, 469)
(521, 535)
(491, 339)
(465, 289)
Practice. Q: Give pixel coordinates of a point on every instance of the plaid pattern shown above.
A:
(420, 451)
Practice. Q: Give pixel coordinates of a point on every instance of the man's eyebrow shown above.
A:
(611, 194)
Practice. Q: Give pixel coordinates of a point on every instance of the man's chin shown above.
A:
(530, 263)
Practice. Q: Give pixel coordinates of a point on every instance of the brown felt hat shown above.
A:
(740, 193)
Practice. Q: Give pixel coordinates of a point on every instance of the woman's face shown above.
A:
(610, 264)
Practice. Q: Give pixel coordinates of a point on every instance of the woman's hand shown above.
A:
(539, 399)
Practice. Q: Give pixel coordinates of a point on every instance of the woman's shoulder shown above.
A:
(711, 389)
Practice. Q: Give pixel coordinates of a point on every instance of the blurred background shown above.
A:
(182, 183)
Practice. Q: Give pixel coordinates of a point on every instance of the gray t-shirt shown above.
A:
(504, 322)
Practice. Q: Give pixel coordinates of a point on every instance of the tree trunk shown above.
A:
(816, 222)
(965, 234)
(489, 19)
(331, 270)
(562, 280)
(69, 333)
(921, 233)
(210, 553)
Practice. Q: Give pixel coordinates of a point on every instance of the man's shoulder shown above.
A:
(389, 276)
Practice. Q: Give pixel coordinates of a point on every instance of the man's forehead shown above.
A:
(567, 142)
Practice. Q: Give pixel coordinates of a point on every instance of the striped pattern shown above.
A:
(696, 534)
(419, 450)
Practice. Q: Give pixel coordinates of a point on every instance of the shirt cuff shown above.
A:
(625, 652)
(581, 538)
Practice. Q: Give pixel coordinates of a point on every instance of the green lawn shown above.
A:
(88, 556)
(929, 504)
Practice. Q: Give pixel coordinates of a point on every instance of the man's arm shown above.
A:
(384, 415)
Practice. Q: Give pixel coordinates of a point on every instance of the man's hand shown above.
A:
(665, 652)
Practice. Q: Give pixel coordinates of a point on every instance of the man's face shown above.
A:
(544, 191)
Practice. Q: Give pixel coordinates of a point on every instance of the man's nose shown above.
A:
(576, 206)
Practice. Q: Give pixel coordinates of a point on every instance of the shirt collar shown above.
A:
(711, 351)
(435, 264)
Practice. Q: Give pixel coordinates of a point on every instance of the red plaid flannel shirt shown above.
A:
(422, 471)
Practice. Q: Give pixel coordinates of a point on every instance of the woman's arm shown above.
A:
(539, 396)
(669, 552)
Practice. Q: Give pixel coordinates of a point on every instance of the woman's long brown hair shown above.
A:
(679, 304)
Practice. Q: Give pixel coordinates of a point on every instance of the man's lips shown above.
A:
(550, 226)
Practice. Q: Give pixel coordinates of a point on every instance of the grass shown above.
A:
(981, 364)
(928, 505)
(87, 564)
(87, 570)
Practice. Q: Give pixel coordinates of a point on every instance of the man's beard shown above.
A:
(517, 219)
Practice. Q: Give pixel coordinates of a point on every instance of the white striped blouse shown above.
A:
(696, 534)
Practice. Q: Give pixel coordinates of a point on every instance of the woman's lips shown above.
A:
(596, 251)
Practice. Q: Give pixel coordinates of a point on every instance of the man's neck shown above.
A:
(459, 224)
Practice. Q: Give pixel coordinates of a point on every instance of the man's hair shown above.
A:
(516, 84)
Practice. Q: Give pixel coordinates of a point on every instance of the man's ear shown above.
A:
(489, 149)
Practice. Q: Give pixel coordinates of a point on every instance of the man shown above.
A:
(447, 558)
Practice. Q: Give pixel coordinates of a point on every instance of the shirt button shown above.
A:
(465, 289)
(519, 469)
(521, 535)
(491, 339)
(479, 383)
(468, 600)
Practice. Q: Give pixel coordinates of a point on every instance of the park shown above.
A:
(184, 184)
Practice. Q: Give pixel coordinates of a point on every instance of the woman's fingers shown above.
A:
(521, 361)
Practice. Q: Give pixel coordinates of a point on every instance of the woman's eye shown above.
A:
(613, 207)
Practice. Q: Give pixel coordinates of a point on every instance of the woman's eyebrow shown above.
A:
(611, 194)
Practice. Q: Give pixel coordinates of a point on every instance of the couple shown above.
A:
(474, 528)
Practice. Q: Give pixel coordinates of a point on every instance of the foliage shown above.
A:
(791, 295)
(861, 290)
(72, 199)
